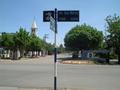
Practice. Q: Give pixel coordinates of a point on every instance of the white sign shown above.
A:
(52, 23)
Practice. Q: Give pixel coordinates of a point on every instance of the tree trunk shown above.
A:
(119, 58)
(14, 55)
(108, 58)
(21, 53)
(32, 54)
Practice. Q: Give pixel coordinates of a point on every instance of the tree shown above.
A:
(21, 39)
(0, 39)
(35, 44)
(50, 48)
(113, 37)
(83, 37)
(8, 43)
(7, 40)
(61, 48)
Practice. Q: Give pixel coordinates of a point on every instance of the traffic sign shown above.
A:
(68, 16)
(47, 14)
(52, 23)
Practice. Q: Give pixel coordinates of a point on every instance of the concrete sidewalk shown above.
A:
(16, 88)
(37, 60)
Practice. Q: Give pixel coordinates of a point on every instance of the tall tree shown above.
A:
(113, 37)
(21, 39)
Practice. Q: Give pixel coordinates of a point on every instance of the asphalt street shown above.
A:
(81, 77)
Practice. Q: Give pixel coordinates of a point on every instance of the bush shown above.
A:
(101, 55)
(111, 56)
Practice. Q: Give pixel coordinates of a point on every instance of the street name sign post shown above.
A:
(62, 15)
(59, 16)
(47, 14)
(68, 16)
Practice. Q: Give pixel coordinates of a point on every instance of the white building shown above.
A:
(34, 28)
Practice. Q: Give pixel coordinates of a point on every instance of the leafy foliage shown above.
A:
(113, 37)
(61, 48)
(22, 38)
(23, 41)
(83, 37)
(50, 48)
(7, 40)
(35, 44)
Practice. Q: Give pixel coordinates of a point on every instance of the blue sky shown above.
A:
(16, 13)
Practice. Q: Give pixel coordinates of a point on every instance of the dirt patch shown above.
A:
(77, 62)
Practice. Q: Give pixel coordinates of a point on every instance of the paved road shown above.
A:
(81, 77)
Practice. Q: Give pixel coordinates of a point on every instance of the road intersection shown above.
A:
(39, 76)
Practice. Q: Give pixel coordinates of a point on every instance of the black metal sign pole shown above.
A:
(60, 16)
(55, 53)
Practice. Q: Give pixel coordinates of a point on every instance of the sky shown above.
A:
(21, 13)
